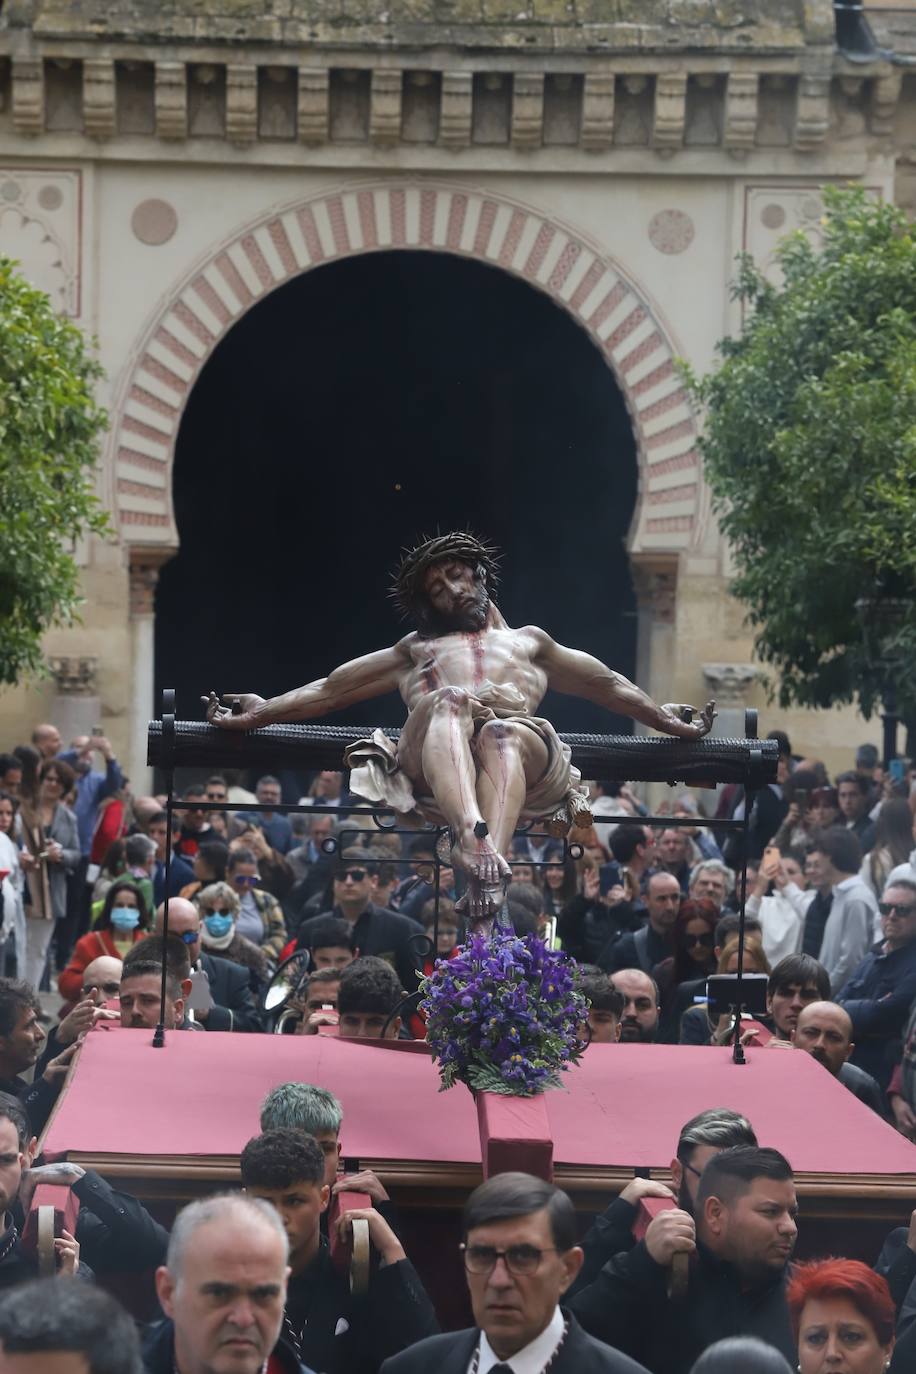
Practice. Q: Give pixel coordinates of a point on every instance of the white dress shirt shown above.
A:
(532, 1358)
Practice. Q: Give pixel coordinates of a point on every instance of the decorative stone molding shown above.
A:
(368, 217)
(385, 106)
(74, 676)
(456, 109)
(885, 96)
(171, 100)
(99, 97)
(730, 683)
(144, 577)
(313, 104)
(28, 95)
(597, 112)
(635, 105)
(655, 584)
(670, 111)
(527, 110)
(812, 120)
(241, 103)
(741, 111)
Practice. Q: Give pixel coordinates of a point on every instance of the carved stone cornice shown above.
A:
(730, 683)
(74, 675)
(527, 129)
(99, 97)
(241, 103)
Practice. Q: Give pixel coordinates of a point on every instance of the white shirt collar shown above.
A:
(532, 1358)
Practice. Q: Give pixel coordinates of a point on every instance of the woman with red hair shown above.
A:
(843, 1317)
(694, 956)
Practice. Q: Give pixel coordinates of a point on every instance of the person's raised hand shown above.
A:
(62, 1175)
(696, 726)
(644, 1187)
(102, 745)
(591, 885)
(226, 716)
(56, 1070)
(67, 1252)
(615, 895)
(381, 1236)
(671, 1233)
(317, 1018)
(364, 1182)
(77, 1022)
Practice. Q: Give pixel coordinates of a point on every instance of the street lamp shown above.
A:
(881, 617)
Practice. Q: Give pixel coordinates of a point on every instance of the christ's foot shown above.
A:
(480, 905)
(478, 857)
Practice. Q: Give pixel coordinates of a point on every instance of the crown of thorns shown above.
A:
(406, 584)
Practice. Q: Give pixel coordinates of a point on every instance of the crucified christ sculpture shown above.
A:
(472, 754)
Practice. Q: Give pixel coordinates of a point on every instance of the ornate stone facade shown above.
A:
(164, 164)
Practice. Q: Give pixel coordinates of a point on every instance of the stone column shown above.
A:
(75, 707)
(730, 685)
(144, 574)
(655, 583)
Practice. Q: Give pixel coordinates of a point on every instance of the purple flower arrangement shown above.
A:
(504, 1015)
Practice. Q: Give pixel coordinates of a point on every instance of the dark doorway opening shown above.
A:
(358, 406)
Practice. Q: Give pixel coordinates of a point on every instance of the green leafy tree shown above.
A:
(810, 452)
(49, 435)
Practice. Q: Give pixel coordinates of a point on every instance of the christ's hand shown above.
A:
(228, 717)
(686, 721)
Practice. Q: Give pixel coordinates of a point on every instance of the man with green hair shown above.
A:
(318, 1113)
(472, 755)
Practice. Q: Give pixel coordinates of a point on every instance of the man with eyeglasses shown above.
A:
(195, 828)
(879, 994)
(222, 996)
(376, 930)
(520, 1258)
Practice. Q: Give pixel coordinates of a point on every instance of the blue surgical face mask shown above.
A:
(125, 917)
(218, 925)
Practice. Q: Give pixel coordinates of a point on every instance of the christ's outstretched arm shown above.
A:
(372, 675)
(580, 675)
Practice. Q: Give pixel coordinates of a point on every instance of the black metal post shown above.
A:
(890, 721)
(750, 729)
(168, 740)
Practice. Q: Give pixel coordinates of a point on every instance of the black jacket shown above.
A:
(628, 1306)
(37, 1099)
(235, 1006)
(585, 928)
(451, 1354)
(897, 1263)
(386, 935)
(394, 1313)
(157, 1343)
(624, 952)
(608, 1235)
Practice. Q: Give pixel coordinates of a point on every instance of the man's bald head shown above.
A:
(184, 919)
(102, 978)
(824, 1030)
(46, 739)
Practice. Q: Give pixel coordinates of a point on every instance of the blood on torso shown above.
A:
(471, 660)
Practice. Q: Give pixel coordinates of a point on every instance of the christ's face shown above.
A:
(457, 597)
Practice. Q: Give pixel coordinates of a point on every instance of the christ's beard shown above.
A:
(467, 619)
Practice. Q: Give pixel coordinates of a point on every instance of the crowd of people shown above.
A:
(247, 1281)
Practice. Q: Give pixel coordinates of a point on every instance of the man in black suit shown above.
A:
(520, 1256)
(222, 996)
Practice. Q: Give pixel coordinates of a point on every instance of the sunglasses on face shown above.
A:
(518, 1259)
(705, 939)
(188, 937)
(246, 879)
(218, 911)
(357, 874)
(901, 908)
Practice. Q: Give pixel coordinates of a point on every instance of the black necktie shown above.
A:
(501, 1369)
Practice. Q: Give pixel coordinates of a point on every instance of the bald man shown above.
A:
(46, 739)
(824, 1030)
(102, 979)
(225, 996)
